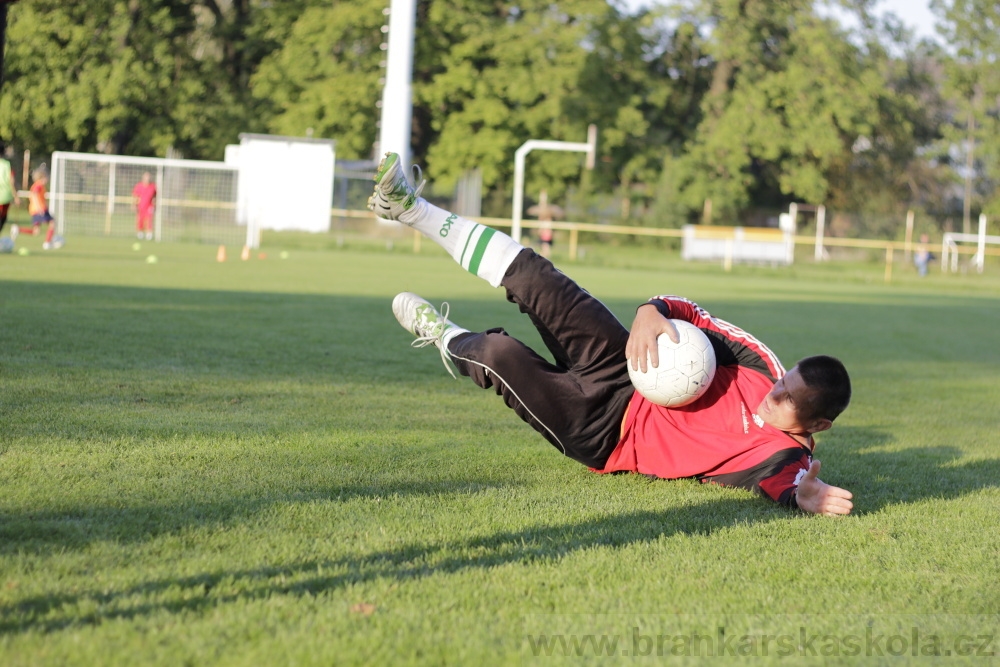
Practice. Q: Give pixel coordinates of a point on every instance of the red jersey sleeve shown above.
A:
(732, 345)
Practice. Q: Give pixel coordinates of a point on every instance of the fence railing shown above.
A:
(890, 248)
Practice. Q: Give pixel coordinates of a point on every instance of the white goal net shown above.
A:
(196, 200)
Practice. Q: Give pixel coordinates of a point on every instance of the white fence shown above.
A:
(738, 244)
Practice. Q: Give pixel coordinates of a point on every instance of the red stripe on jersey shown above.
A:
(689, 311)
(780, 486)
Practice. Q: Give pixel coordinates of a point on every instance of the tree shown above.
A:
(3, 34)
(136, 76)
(325, 78)
(895, 167)
(789, 95)
(494, 76)
(972, 84)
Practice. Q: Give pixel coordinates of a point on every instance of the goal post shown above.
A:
(949, 247)
(91, 194)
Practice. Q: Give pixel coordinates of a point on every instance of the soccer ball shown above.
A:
(685, 372)
(6, 244)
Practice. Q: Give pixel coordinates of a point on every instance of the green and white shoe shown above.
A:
(393, 194)
(420, 318)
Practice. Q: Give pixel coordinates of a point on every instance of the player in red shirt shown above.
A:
(752, 429)
(144, 201)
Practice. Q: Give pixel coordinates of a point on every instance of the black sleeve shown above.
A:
(776, 478)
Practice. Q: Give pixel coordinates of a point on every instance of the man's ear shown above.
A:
(819, 425)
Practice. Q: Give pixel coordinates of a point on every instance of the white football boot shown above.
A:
(393, 195)
(430, 327)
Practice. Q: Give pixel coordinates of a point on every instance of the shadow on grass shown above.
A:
(865, 462)
(880, 479)
(45, 531)
(537, 544)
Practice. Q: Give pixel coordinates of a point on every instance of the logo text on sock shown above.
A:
(446, 227)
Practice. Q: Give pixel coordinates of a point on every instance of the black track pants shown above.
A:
(578, 403)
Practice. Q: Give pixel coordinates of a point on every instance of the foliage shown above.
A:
(324, 81)
(895, 167)
(972, 85)
(742, 103)
(496, 76)
(789, 96)
(131, 77)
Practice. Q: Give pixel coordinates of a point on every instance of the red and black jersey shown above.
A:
(718, 438)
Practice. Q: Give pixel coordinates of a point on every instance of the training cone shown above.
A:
(221, 255)
(245, 255)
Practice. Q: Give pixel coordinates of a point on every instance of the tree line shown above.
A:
(721, 105)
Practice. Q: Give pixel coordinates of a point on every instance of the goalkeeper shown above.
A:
(752, 429)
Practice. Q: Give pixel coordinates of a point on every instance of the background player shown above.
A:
(144, 202)
(8, 189)
(38, 209)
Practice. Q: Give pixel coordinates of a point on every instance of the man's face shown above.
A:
(787, 399)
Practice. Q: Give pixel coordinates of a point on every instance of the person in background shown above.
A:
(38, 209)
(922, 255)
(8, 191)
(144, 202)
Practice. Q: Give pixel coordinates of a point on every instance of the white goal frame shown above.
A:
(949, 247)
(91, 194)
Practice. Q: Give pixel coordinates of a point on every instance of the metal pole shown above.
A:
(820, 230)
(397, 102)
(981, 251)
(909, 235)
(590, 148)
(158, 214)
(110, 208)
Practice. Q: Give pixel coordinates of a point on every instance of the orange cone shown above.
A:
(221, 255)
(245, 255)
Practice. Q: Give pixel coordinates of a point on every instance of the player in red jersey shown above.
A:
(753, 428)
(144, 202)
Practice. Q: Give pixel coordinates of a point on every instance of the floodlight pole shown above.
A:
(397, 101)
(590, 148)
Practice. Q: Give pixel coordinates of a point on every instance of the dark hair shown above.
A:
(831, 384)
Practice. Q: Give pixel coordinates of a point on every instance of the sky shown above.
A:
(914, 13)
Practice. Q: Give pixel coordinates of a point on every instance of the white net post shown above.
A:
(158, 211)
(110, 208)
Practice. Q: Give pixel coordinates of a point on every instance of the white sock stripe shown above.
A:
(506, 384)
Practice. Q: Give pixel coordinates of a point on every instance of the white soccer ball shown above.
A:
(685, 369)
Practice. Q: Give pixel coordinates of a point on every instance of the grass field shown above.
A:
(244, 463)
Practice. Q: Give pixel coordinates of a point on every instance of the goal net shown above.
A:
(196, 200)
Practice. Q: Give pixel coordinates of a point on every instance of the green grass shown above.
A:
(245, 463)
